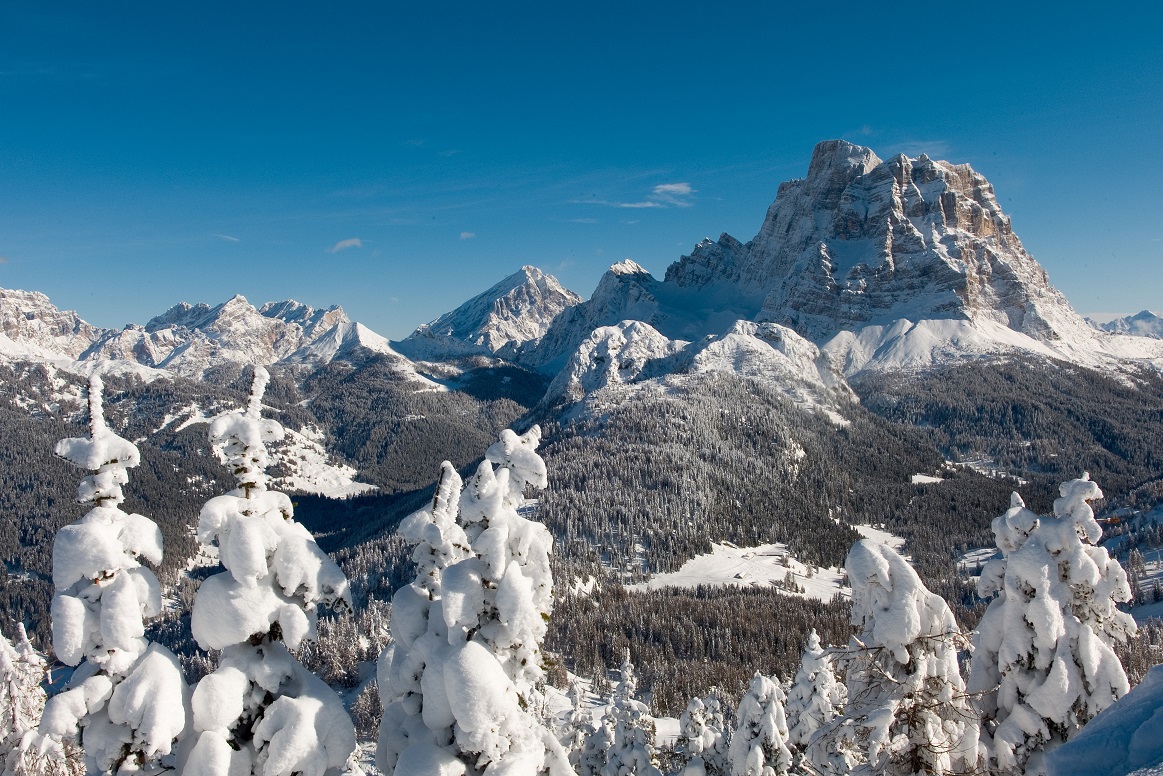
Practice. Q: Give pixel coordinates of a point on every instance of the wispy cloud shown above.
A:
(467, 235)
(225, 237)
(677, 194)
(343, 245)
(581, 220)
(662, 195)
(3, 259)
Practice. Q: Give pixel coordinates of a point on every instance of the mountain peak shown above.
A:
(628, 267)
(498, 321)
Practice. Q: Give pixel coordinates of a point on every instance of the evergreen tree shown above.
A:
(1044, 663)
(459, 683)
(260, 711)
(578, 725)
(815, 697)
(127, 698)
(631, 750)
(759, 746)
(22, 700)
(703, 737)
(906, 699)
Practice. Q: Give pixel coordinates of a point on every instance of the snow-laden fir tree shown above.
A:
(1044, 663)
(127, 698)
(702, 737)
(815, 697)
(578, 725)
(907, 705)
(261, 712)
(22, 698)
(759, 745)
(631, 749)
(459, 682)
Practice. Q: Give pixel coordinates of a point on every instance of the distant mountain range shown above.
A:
(877, 265)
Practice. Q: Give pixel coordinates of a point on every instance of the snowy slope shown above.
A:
(1124, 738)
(513, 313)
(768, 565)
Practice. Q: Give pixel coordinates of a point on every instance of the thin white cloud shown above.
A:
(226, 237)
(342, 245)
(661, 196)
(677, 194)
(467, 235)
(581, 220)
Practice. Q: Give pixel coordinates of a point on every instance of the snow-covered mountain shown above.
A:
(188, 340)
(633, 352)
(192, 339)
(1142, 324)
(903, 263)
(513, 313)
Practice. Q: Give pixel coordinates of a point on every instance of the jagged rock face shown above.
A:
(29, 317)
(513, 313)
(862, 240)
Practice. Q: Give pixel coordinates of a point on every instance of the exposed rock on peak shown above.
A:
(862, 241)
(29, 318)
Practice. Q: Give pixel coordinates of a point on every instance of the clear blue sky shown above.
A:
(158, 152)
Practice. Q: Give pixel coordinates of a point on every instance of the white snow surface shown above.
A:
(763, 565)
(760, 566)
(1126, 737)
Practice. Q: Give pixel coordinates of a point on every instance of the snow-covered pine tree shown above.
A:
(759, 745)
(127, 698)
(906, 698)
(260, 711)
(578, 725)
(22, 700)
(1044, 663)
(815, 697)
(631, 751)
(702, 737)
(459, 682)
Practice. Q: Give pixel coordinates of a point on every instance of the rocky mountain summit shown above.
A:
(862, 241)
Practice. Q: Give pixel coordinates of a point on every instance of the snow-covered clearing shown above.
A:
(768, 565)
(926, 479)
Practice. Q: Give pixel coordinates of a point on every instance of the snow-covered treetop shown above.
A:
(1074, 503)
(518, 454)
(240, 438)
(103, 452)
(890, 603)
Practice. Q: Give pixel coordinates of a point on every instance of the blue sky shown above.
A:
(397, 159)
